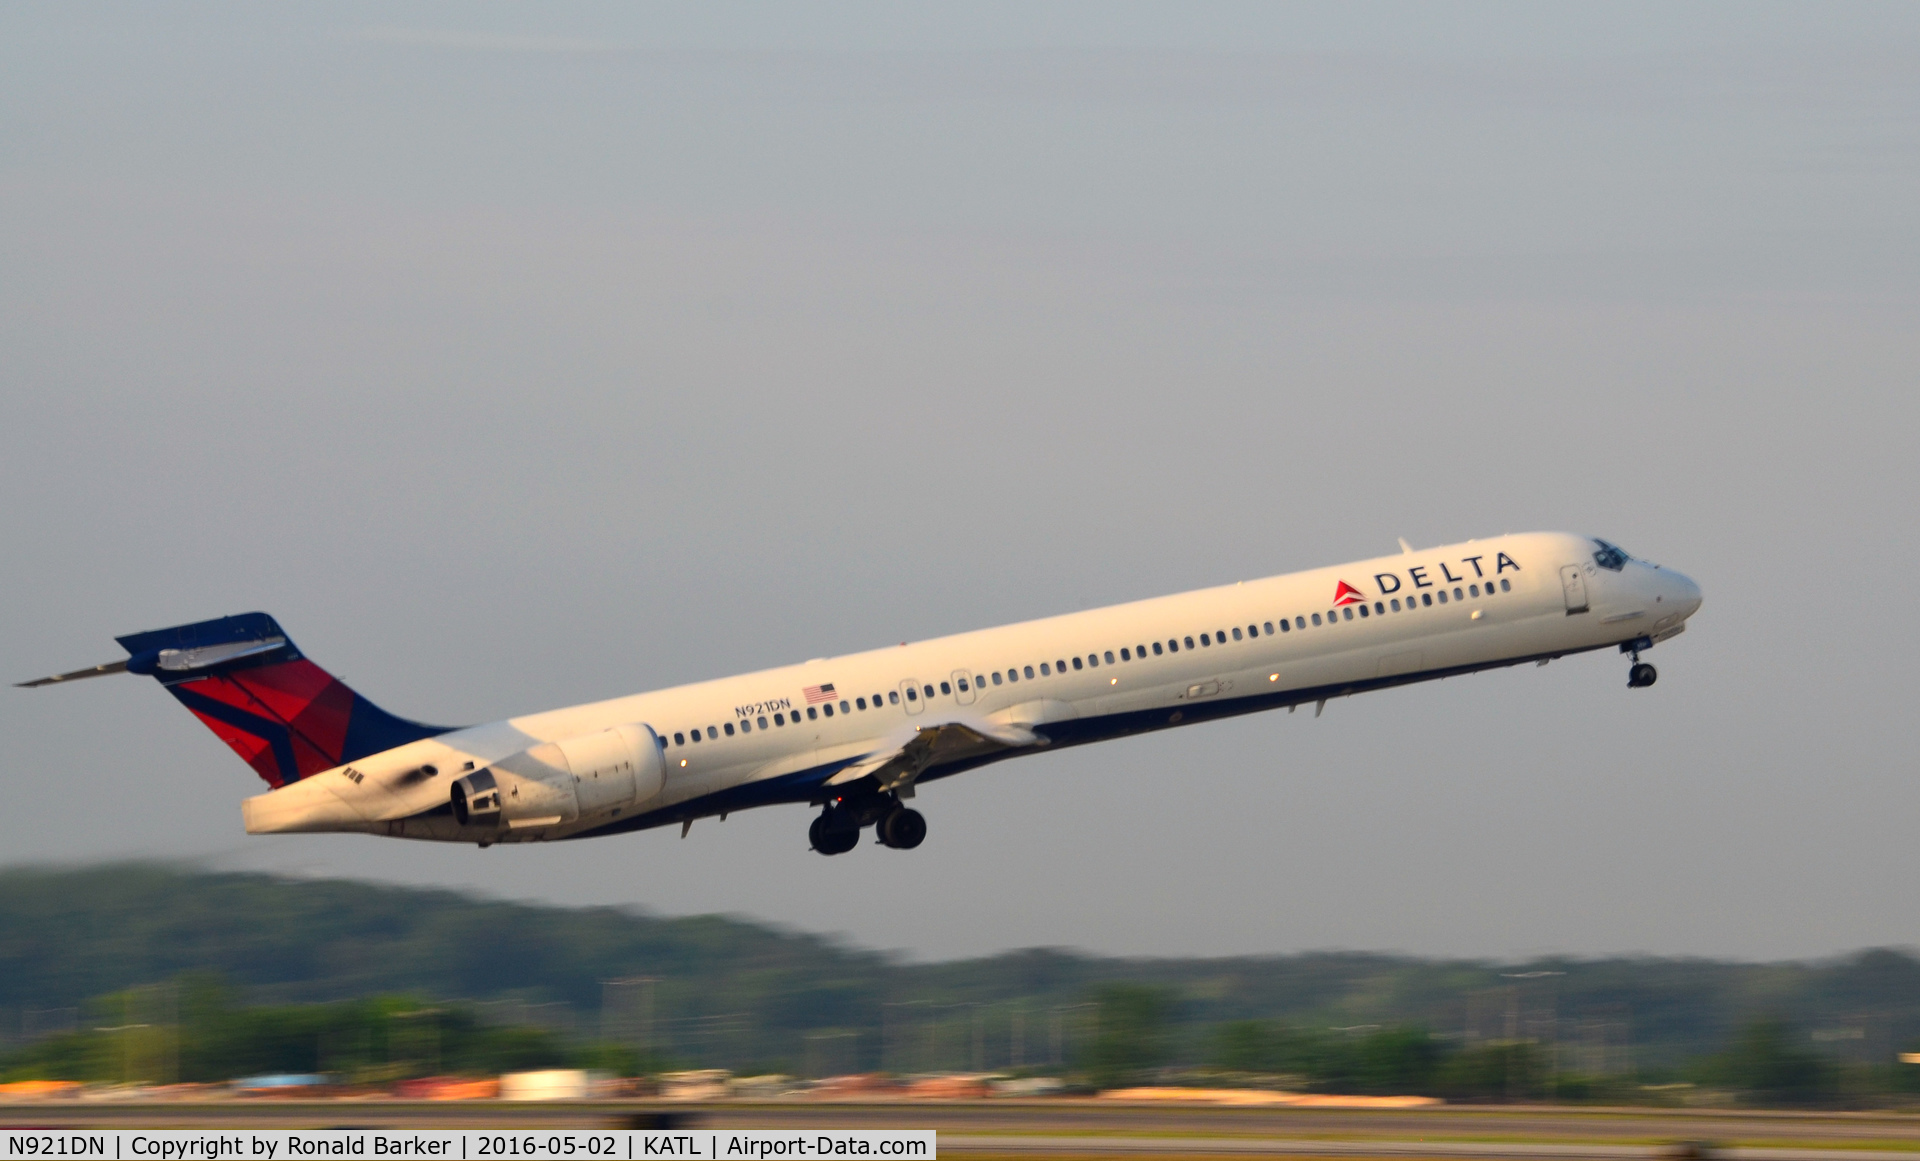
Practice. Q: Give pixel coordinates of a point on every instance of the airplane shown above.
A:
(857, 735)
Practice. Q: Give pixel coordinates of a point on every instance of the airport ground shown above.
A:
(1064, 1129)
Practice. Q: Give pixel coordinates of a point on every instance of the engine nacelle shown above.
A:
(476, 799)
(605, 773)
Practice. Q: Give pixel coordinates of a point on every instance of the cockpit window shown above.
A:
(1610, 556)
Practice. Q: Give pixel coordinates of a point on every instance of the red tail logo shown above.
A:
(1346, 594)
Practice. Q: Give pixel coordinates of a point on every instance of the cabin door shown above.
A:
(1574, 584)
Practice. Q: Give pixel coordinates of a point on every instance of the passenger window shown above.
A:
(763, 721)
(861, 702)
(1046, 670)
(713, 734)
(1457, 596)
(693, 735)
(679, 739)
(1427, 599)
(843, 708)
(1316, 618)
(1505, 586)
(996, 677)
(1379, 608)
(746, 725)
(963, 685)
(1220, 635)
(893, 697)
(1301, 622)
(945, 688)
(779, 719)
(1285, 626)
(1029, 672)
(1078, 664)
(1363, 610)
(1173, 646)
(1109, 656)
(911, 694)
(729, 729)
(1156, 648)
(928, 690)
(828, 708)
(813, 715)
(1443, 596)
(1347, 612)
(1394, 604)
(1058, 667)
(1093, 661)
(1189, 641)
(1125, 654)
(1236, 632)
(1203, 641)
(1013, 675)
(1139, 651)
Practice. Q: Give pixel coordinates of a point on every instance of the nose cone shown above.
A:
(1681, 592)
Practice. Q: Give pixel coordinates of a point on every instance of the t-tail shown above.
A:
(252, 686)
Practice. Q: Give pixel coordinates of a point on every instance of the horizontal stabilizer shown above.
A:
(97, 671)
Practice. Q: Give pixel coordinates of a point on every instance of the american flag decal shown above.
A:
(819, 693)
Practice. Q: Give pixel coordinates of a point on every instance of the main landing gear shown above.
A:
(837, 828)
(833, 834)
(903, 829)
(1641, 675)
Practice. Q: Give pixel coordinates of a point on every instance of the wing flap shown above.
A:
(933, 745)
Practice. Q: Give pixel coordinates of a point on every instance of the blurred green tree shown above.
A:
(1767, 1067)
(1134, 1035)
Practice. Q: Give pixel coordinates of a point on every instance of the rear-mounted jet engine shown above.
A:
(555, 783)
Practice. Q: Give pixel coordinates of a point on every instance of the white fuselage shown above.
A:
(1062, 680)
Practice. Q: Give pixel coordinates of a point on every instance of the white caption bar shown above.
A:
(504, 1145)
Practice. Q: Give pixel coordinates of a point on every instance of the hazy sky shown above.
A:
(515, 356)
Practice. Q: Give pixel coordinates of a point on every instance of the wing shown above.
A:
(934, 745)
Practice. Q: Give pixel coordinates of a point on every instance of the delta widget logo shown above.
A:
(1346, 594)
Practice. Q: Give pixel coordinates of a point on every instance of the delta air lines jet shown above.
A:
(856, 736)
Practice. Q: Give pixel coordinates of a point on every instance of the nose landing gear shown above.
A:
(1641, 675)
